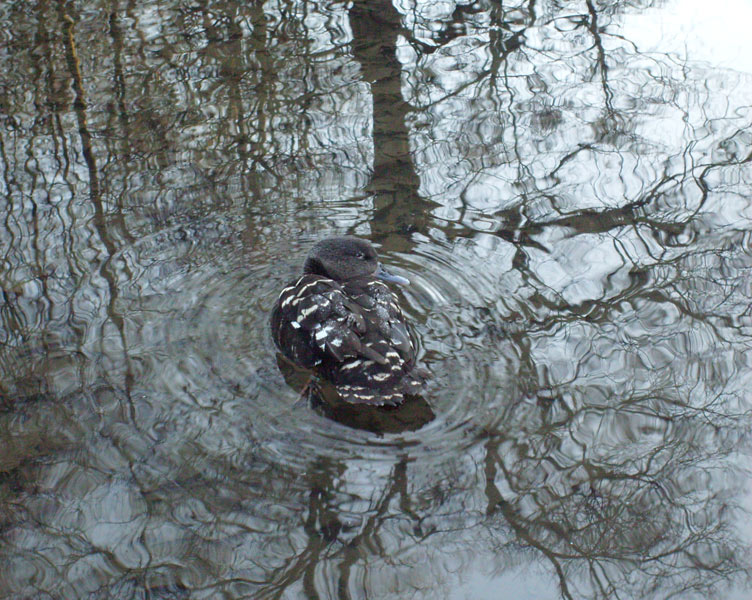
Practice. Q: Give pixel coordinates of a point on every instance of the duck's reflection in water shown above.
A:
(411, 415)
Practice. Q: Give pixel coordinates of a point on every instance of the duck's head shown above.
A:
(345, 258)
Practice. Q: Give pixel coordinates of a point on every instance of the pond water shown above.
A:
(570, 199)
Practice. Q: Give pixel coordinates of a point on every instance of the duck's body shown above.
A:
(342, 321)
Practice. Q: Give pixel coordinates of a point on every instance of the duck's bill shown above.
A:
(385, 275)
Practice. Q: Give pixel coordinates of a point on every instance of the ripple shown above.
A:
(207, 356)
(443, 303)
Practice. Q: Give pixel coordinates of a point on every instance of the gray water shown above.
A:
(573, 211)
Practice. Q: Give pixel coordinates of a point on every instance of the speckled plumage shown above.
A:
(340, 320)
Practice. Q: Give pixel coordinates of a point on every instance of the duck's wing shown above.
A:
(391, 321)
(325, 319)
(362, 382)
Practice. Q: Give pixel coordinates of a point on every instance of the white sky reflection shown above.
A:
(716, 33)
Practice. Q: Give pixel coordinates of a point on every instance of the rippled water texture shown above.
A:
(571, 206)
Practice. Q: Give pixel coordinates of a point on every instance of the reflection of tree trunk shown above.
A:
(376, 25)
(108, 271)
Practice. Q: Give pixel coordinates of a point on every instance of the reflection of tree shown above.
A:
(663, 502)
(376, 28)
(641, 505)
(219, 122)
(331, 539)
(592, 510)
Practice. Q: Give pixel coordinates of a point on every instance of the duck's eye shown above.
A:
(359, 255)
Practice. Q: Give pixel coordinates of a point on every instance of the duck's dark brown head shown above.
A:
(344, 258)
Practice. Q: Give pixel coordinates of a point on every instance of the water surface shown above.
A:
(570, 201)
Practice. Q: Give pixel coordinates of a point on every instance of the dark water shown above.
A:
(573, 212)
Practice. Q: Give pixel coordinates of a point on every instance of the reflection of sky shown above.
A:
(717, 33)
(531, 581)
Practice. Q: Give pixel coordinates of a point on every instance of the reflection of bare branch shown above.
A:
(324, 531)
(80, 109)
(321, 526)
(74, 64)
(497, 503)
(600, 529)
(595, 30)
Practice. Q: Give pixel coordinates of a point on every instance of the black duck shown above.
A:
(342, 321)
